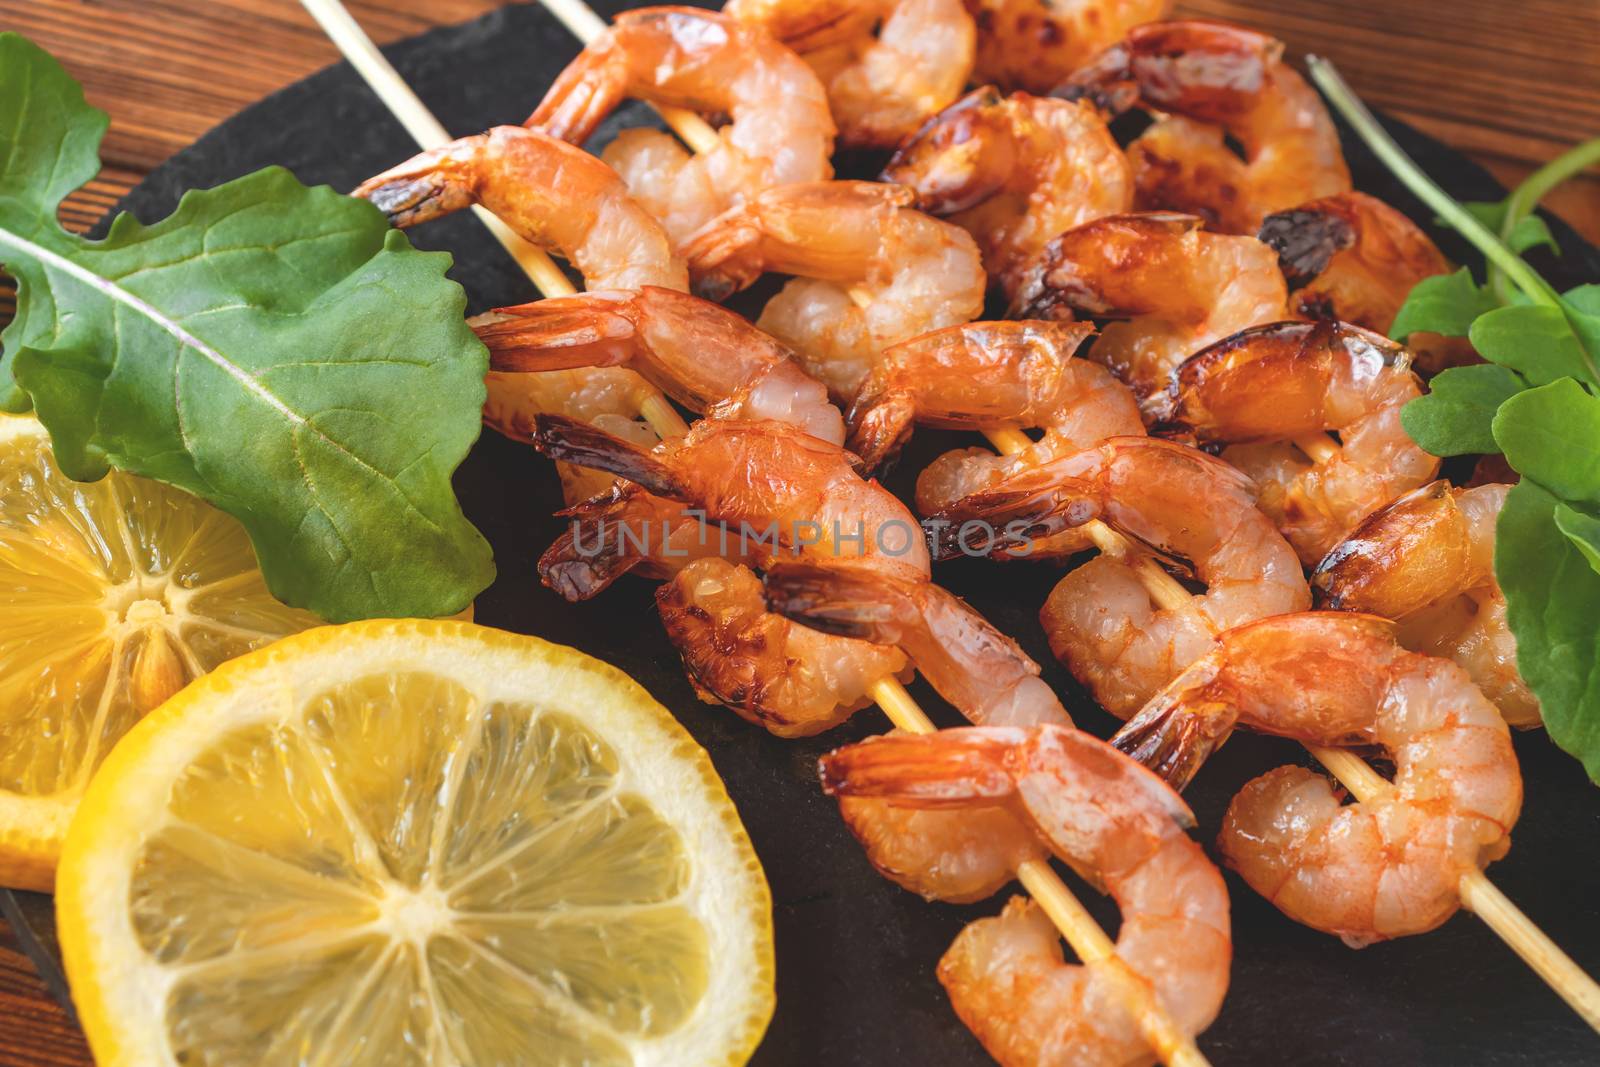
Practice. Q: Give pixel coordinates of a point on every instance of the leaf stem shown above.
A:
(1345, 101)
(1534, 188)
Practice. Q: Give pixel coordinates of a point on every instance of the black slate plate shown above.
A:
(855, 954)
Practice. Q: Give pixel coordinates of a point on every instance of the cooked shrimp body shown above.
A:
(800, 493)
(1015, 171)
(977, 376)
(1189, 508)
(986, 375)
(1035, 44)
(1176, 287)
(782, 675)
(701, 354)
(1390, 865)
(1211, 80)
(779, 131)
(1267, 385)
(1350, 257)
(556, 196)
(978, 669)
(1427, 561)
(1117, 825)
(779, 493)
(870, 271)
(887, 64)
(569, 203)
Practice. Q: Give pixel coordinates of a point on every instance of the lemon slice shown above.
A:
(113, 595)
(409, 843)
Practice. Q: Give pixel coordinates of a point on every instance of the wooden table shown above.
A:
(1509, 84)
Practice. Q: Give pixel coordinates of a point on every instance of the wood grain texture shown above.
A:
(1509, 84)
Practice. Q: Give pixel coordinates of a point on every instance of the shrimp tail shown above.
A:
(413, 193)
(719, 257)
(843, 601)
(557, 334)
(577, 442)
(577, 573)
(963, 767)
(1174, 737)
(880, 422)
(1011, 516)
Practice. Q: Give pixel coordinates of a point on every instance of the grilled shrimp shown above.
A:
(704, 356)
(1427, 561)
(1211, 80)
(956, 856)
(1268, 385)
(887, 64)
(987, 375)
(869, 269)
(1350, 257)
(1035, 44)
(556, 196)
(1385, 867)
(1185, 505)
(789, 495)
(567, 202)
(1014, 171)
(1177, 287)
(780, 129)
(1120, 828)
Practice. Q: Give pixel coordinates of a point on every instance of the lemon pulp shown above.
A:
(113, 595)
(414, 850)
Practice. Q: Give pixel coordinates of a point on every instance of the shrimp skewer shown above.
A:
(1427, 561)
(1268, 389)
(1103, 622)
(560, 198)
(1209, 79)
(780, 129)
(802, 499)
(702, 355)
(1014, 172)
(1379, 869)
(1175, 286)
(869, 271)
(1117, 825)
(880, 85)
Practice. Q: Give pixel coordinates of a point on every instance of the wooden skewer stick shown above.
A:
(428, 132)
(1077, 926)
(1478, 894)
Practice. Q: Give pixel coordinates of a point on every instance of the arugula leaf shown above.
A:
(1582, 529)
(1582, 308)
(1454, 417)
(1536, 341)
(1443, 304)
(1552, 603)
(1528, 231)
(275, 349)
(1552, 435)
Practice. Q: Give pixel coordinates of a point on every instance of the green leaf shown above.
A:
(1536, 341)
(1582, 529)
(1552, 602)
(1444, 304)
(1455, 416)
(1531, 231)
(1585, 299)
(1528, 231)
(1582, 308)
(1552, 435)
(275, 349)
